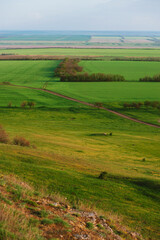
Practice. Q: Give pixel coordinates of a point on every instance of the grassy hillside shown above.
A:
(132, 71)
(39, 216)
(72, 151)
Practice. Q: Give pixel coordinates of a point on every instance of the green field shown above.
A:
(71, 148)
(27, 73)
(37, 73)
(17, 95)
(86, 52)
(132, 71)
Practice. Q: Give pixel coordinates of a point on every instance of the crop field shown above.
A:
(131, 70)
(85, 52)
(27, 73)
(71, 144)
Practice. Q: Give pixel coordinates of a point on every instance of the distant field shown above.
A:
(86, 40)
(86, 52)
(130, 70)
(37, 37)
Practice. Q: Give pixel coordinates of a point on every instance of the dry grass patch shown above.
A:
(14, 225)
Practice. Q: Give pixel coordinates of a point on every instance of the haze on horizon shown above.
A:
(102, 15)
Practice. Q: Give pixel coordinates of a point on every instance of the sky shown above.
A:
(102, 15)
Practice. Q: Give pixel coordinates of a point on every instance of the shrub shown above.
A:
(98, 104)
(147, 103)
(10, 104)
(3, 135)
(103, 175)
(6, 83)
(31, 104)
(21, 141)
(23, 104)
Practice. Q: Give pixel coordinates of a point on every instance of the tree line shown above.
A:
(155, 78)
(69, 71)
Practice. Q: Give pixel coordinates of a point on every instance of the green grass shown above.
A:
(132, 71)
(108, 92)
(16, 95)
(71, 148)
(30, 73)
(86, 52)
(68, 152)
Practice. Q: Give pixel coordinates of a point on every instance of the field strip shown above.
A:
(91, 105)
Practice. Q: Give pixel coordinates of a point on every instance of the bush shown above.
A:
(103, 175)
(31, 104)
(21, 141)
(10, 104)
(3, 135)
(23, 104)
(98, 104)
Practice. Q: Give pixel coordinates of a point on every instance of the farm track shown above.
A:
(92, 105)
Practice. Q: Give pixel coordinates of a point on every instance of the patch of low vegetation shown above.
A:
(89, 225)
(5, 83)
(47, 221)
(21, 141)
(147, 104)
(60, 221)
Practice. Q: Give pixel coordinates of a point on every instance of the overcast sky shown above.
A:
(80, 15)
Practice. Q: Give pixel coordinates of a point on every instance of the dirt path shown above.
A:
(92, 105)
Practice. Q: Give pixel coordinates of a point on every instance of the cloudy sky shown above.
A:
(80, 15)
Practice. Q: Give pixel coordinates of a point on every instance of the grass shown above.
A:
(86, 52)
(67, 153)
(108, 92)
(27, 73)
(132, 71)
(72, 149)
(17, 95)
(89, 225)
